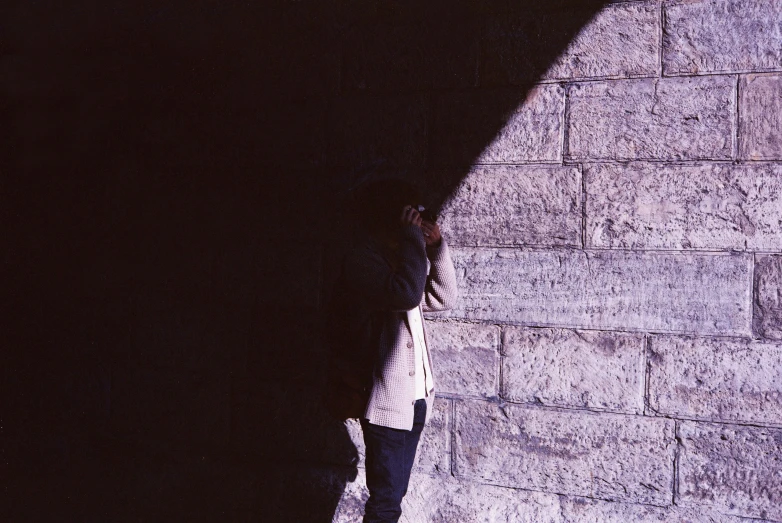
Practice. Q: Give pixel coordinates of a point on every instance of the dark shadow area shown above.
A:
(172, 191)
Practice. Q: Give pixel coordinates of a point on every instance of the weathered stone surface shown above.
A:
(622, 40)
(498, 126)
(734, 35)
(716, 379)
(448, 500)
(664, 119)
(533, 132)
(563, 43)
(767, 317)
(435, 500)
(605, 456)
(434, 448)
(649, 206)
(515, 205)
(760, 111)
(735, 469)
(580, 510)
(593, 369)
(606, 289)
(367, 131)
(465, 357)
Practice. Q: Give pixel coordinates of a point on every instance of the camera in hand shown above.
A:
(426, 214)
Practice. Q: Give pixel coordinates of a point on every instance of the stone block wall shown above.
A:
(608, 172)
(616, 352)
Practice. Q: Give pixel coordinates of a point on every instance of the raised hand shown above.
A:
(431, 233)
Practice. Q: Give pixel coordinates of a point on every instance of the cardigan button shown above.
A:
(411, 373)
(409, 344)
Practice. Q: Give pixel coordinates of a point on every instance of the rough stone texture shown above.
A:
(603, 370)
(493, 127)
(611, 290)
(618, 41)
(604, 456)
(716, 379)
(466, 358)
(665, 119)
(447, 500)
(649, 206)
(622, 40)
(366, 131)
(735, 469)
(760, 112)
(707, 36)
(515, 205)
(434, 449)
(436, 501)
(523, 138)
(580, 510)
(767, 315)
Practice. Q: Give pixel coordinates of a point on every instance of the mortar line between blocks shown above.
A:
(452, 438)
(500, 374)
(565, 134)
(583, 206)
(677, 441)
(752, 297)
(661, 27)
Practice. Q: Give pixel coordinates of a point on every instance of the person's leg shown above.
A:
(385, 466)
(411, 442)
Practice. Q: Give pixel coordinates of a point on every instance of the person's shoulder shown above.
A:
(366, 251)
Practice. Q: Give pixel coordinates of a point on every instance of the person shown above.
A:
(401, 268)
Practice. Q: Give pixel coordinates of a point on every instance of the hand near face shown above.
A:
(410, 216)
(431, 233)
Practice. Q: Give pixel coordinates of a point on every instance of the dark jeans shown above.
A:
(390, 455)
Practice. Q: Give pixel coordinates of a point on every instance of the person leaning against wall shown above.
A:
(380, 366)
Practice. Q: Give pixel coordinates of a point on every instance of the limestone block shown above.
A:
(704, 36)
(649, 206)
(366, 131)
(603, 370)
(619, 40)
(663, 119)
(716, 379)
(760, 111)
(465, 357)
(606, 456)
(498, 126)
(581, 510)
(735, 469)
(605, 290)
(449, 500)
(515, 205)
(434, 449)
(435, 500)
(767, 318)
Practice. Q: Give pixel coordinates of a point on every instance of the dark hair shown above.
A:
(378, 204)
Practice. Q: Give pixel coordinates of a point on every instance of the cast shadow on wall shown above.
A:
(173, 183)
